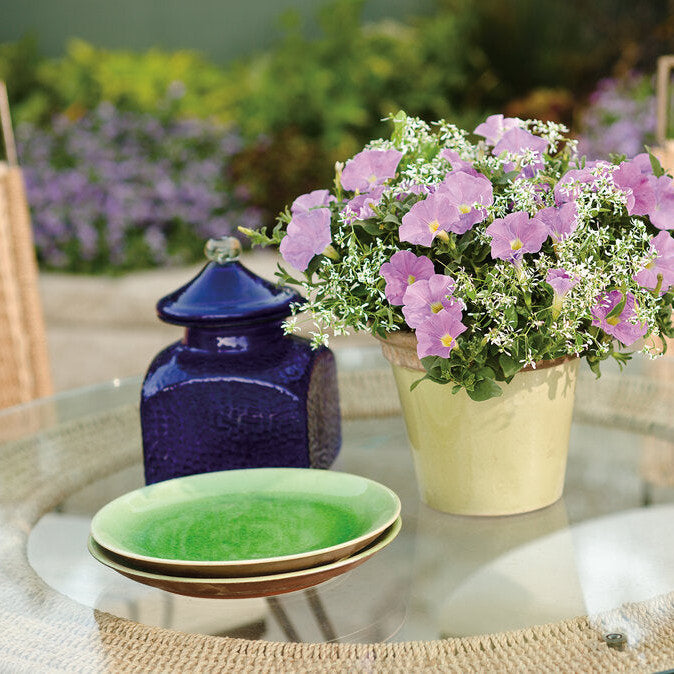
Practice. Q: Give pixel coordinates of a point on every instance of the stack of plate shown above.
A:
(245, 533)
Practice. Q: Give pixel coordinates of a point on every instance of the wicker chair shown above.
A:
(24, 362)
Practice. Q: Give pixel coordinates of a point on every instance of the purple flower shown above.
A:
(561, 281)
(663, 247)
(515, 235)
(620, 326)
(495, 126)
(308, 235)
(427, 297)
(568, 187)
(370, 168)
(315, 199)
(458, 164)
(662, 213)
(361, 204)
(637, 184)
(436, 336)
(464, 190)
(517, 141)
(404, 269)
(427, 218)
(559, 221)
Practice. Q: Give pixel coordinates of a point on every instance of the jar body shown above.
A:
(239, 398)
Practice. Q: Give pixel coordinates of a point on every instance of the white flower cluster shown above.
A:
(553, 132)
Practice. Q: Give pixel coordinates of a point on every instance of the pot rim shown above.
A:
(405, 341)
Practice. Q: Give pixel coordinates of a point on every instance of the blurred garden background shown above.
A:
(146, 126)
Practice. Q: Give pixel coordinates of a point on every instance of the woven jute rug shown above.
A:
(43, 631)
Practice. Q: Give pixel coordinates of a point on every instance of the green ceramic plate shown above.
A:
(251, 586)
(245, 522)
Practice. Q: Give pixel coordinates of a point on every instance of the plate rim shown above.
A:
(363, 539)
(385, 538)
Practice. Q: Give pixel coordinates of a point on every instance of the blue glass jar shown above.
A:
(236, 392)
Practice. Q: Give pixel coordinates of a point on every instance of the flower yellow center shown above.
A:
(436, 307)
(372, 179)
(411, 279)
(433, 226)
(651, 265)
(464, 208)
(447, 340)
(516, 244)
(613, 320)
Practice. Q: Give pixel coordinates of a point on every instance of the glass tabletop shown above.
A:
(606, 543)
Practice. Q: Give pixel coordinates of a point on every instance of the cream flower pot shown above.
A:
(501, 456)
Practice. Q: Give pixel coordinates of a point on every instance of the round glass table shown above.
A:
(587, 583)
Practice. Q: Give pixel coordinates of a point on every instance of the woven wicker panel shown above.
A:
(26, 274)
(16, 384)
(24, 361)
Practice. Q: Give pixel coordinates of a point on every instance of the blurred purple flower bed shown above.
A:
(620, 117)
(114, 191)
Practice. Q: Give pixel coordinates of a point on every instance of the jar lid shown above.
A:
(226, 293)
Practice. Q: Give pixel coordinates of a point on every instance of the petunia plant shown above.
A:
(500, 248)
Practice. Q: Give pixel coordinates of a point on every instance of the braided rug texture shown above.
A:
(43, 631)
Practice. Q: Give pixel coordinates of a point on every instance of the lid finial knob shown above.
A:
(222, 250)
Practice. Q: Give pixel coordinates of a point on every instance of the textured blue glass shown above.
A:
(236, 392)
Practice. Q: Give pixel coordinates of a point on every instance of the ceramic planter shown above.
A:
(501, 456)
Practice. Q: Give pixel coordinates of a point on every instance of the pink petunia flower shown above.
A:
(308, 235)
(495, 126)
(370, 168)
(663, 264)
(361, 204)
(428, 218)
(404, 269)
(463, 191)
(315, 199)
(515, 235)
(458, 164)
(561, 281)
(621, 326)
(437, 335)
(662, 213)
(638, 185)
(559, 221)
(427, 297)
(518, 141)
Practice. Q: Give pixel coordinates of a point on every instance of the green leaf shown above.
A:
(313, 266)
(432, 365)
(618, 308)
(594, 366)
(418, 381)
(399, 121)
(392, 219)
(484, 390)
(511, 316)
(370, 226)
(486, 372)
(655, 164)
(509, 365)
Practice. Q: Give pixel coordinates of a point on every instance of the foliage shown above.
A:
(573, 279)
(114, 191)
(165, 84)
